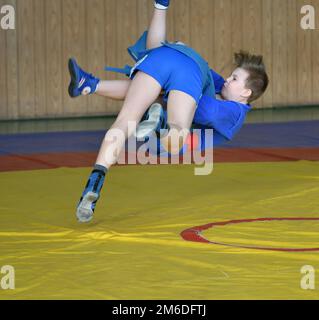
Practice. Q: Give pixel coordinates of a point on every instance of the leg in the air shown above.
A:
(181, 108)
(84, 83)
(142, 92)
(157, 29)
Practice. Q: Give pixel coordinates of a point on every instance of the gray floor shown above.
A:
(285, 114)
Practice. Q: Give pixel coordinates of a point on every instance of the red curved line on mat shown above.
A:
(194, 234)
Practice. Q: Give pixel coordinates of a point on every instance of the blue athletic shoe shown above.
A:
(82, 83)
(155, 120)
(90, 196)
(161, 4)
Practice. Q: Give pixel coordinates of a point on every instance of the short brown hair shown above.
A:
(258, 79)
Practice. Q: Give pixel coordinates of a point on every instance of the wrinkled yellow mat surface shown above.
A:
(133, 249)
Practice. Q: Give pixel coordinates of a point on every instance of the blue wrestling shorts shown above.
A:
(173, 70)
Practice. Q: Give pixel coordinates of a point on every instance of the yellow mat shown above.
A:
(133, 249)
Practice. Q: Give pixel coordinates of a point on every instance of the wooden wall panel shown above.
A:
(40, 59)
(267, 47)
(12, 69)
(111, 39)
(126, 29)
(279, 52)
(171, 24)
(182, 15)
(237, 25)
(292, 58)
(3, 73)
(96, 50)
(315, 55)
(144, 11)
(26, 58)
(202, 29)
(34, 78)
(74, 45)
(304, 64)
(54, 63)
(252, 30)
(222, 37)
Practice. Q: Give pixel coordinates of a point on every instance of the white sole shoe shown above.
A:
(84, 211)
(145, 128)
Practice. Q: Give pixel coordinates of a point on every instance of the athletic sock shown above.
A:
(96, 180)
(100, 168)
(98, 177)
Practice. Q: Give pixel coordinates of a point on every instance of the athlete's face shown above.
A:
(235, 86)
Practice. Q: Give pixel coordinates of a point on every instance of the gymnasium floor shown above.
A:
(160, 232)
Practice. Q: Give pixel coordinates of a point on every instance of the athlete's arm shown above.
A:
(226, 117)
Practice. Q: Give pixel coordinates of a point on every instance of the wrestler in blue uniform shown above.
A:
(175, 67)
(225, 117)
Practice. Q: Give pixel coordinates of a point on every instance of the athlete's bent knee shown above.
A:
(175, 139)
